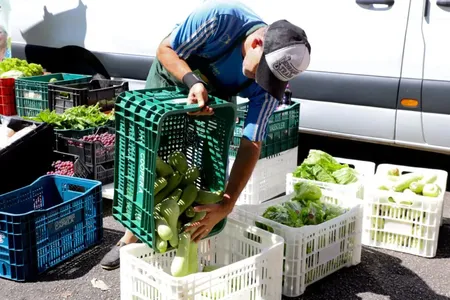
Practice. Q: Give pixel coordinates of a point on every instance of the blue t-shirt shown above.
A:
(211, 30)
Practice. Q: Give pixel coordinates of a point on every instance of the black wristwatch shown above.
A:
(191, 78)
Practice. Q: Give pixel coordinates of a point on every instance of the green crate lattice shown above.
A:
(282, 130)
(149, 124)
(32, 92)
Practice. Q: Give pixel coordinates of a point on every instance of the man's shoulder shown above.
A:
(227, 7)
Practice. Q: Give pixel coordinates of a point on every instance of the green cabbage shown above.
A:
(306, 191)
(321, 166)
(345, 176)
(305, 208)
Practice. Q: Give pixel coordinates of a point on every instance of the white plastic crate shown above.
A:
(269, 177)
(413, 228)
(365, 169)
(312, 252)
(251, 259)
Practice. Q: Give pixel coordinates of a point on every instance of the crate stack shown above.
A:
(61, 91)
(278, 153)
(32, 93)
(45, 219)
(50, 208)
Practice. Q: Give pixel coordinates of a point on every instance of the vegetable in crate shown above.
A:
(169, 210)
(22, 66)
(410, 184)
(180, 264)
(306, 191)
(106, 138)
(178, 161)
(321, 166)
(305, 208)
(62, 168)
(175, 193)
(77, 118)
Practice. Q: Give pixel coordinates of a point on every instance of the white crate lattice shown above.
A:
(251, 260)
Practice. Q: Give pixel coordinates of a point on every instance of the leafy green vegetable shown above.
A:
(345, 176)
(332, 211)
(284, 215)
(318, 157)
(306, 191)
(312, 214)
(78, 117)
(305, 208)
(15, 64)
(321, 166)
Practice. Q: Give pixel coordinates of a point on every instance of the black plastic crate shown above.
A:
(102, 91)
(104, 172)
(28, 158)
(92, 153)
(79, 169)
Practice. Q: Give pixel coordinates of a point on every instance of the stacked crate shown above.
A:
(278, 153)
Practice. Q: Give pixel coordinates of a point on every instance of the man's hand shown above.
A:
(198, 94)
(214, 214)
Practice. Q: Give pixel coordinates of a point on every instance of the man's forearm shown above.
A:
(246, 159)
(171, 61)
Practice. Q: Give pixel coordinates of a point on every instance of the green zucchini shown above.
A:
(172, 183)
(160, 183)
(162, 227)
(207, 197)
(178, 161)
(163, 169)
(176, 194)
(190, 213)
(188, 197)
(170, 211)
(193, 258)
(161, 244)
(191, 176)
(405, 180)
(180, 263)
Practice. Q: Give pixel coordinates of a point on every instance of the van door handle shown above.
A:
(444, 3)
(372, 2)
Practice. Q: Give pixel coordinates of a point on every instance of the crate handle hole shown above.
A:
(76, 188)
(253, 237)
(4, 269)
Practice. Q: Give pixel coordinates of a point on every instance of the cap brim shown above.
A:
(268, 81)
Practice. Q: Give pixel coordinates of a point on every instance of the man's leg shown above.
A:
(157, 78)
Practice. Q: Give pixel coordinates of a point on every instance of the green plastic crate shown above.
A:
(282, 130)
(32, 92)
(155, 122)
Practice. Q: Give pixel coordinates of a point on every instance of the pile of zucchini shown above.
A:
(175, 195)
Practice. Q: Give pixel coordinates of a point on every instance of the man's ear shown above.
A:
(257, 42)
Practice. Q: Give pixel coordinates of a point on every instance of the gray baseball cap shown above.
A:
(286, 54)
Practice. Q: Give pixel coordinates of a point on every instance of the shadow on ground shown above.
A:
(81, 264)
(378, 274)
(443, 250)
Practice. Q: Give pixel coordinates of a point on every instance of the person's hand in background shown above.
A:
(199, 95)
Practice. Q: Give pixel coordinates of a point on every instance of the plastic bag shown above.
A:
(21, 133)
(5, 133)
(9, 135)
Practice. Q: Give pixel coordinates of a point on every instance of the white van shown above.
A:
(380, 69)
